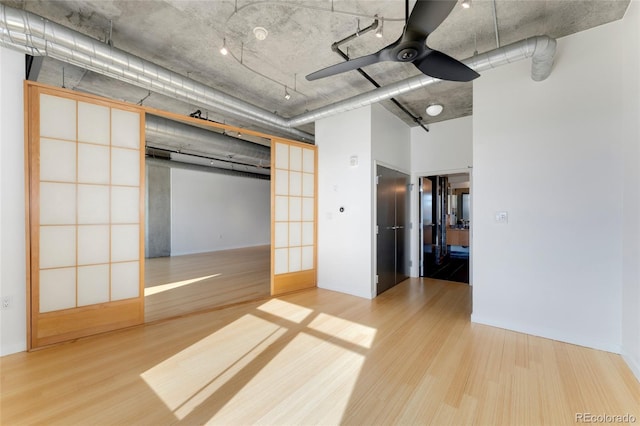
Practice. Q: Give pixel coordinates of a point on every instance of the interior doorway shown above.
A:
(392, 237)
(445, 223)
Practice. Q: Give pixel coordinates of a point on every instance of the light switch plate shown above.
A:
(502, 217)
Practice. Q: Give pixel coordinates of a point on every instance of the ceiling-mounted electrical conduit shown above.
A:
(34, 35)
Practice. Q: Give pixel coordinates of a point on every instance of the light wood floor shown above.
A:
(181, 285)
(410, 356)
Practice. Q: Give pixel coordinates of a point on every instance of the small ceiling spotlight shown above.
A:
(434, 110)
(239, 134)
(223, 50)
(380, 28)
(287, 95)
(260, 33)
(466, 4)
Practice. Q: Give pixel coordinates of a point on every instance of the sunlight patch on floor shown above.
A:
(297, 382)
(289, 311)
(197, 373)
(348, 331)
(170, 286)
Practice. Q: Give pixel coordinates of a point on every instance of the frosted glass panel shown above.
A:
(282, 156)
(307, 185)
(281, 239)
(125, 128)
(307, 209)
(125, 242)
(93, 204)
(282, 182)
(57, 246)
(295, 208)
(308, 160)
(93, 284)
(295, 234)
(295, 183)
(57, 289)
(295, 259)
(125, 280)
(57, 203)
(307, 258)
(295, 159)
(125, 167)
(282, 209)
(125, 205)
(307, 233)
(93, 164)
(93, 244)
(281, 261)
(93, 123)
(57, 117)
(57, 160)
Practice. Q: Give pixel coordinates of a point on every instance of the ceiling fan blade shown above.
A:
(352, 64)
(427, 15)
(437, 64)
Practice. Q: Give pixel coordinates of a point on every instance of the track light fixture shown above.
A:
(379, 30)
(466, 4)
(223, 49)
(287, 95)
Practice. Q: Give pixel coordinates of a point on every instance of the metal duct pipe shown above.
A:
(36, 36)
(32, 34)
(205, 168)
(166, 132)
(541, 48)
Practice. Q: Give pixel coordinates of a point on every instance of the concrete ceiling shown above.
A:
(185, 36)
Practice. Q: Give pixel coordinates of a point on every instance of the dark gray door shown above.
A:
(392, 228)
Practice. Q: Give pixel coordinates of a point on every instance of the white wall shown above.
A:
(212, 212)
(445, 149)
(13, 326)
(390, 140)
(553, 158)
(630, 28)
(345, 239)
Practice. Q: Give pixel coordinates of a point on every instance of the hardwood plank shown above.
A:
(410, 356)
(181, 285)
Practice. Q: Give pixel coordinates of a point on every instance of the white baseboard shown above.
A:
(634, 364)
(548, 334)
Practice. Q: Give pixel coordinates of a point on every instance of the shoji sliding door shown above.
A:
(85, 214)
(293, 216)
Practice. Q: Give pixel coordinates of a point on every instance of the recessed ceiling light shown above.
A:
(434, 109)
(260, 33)
(466, 4)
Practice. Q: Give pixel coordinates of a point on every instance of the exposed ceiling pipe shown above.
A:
(184, 163)
(541, 48)
(166, 132)
(36, 36)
